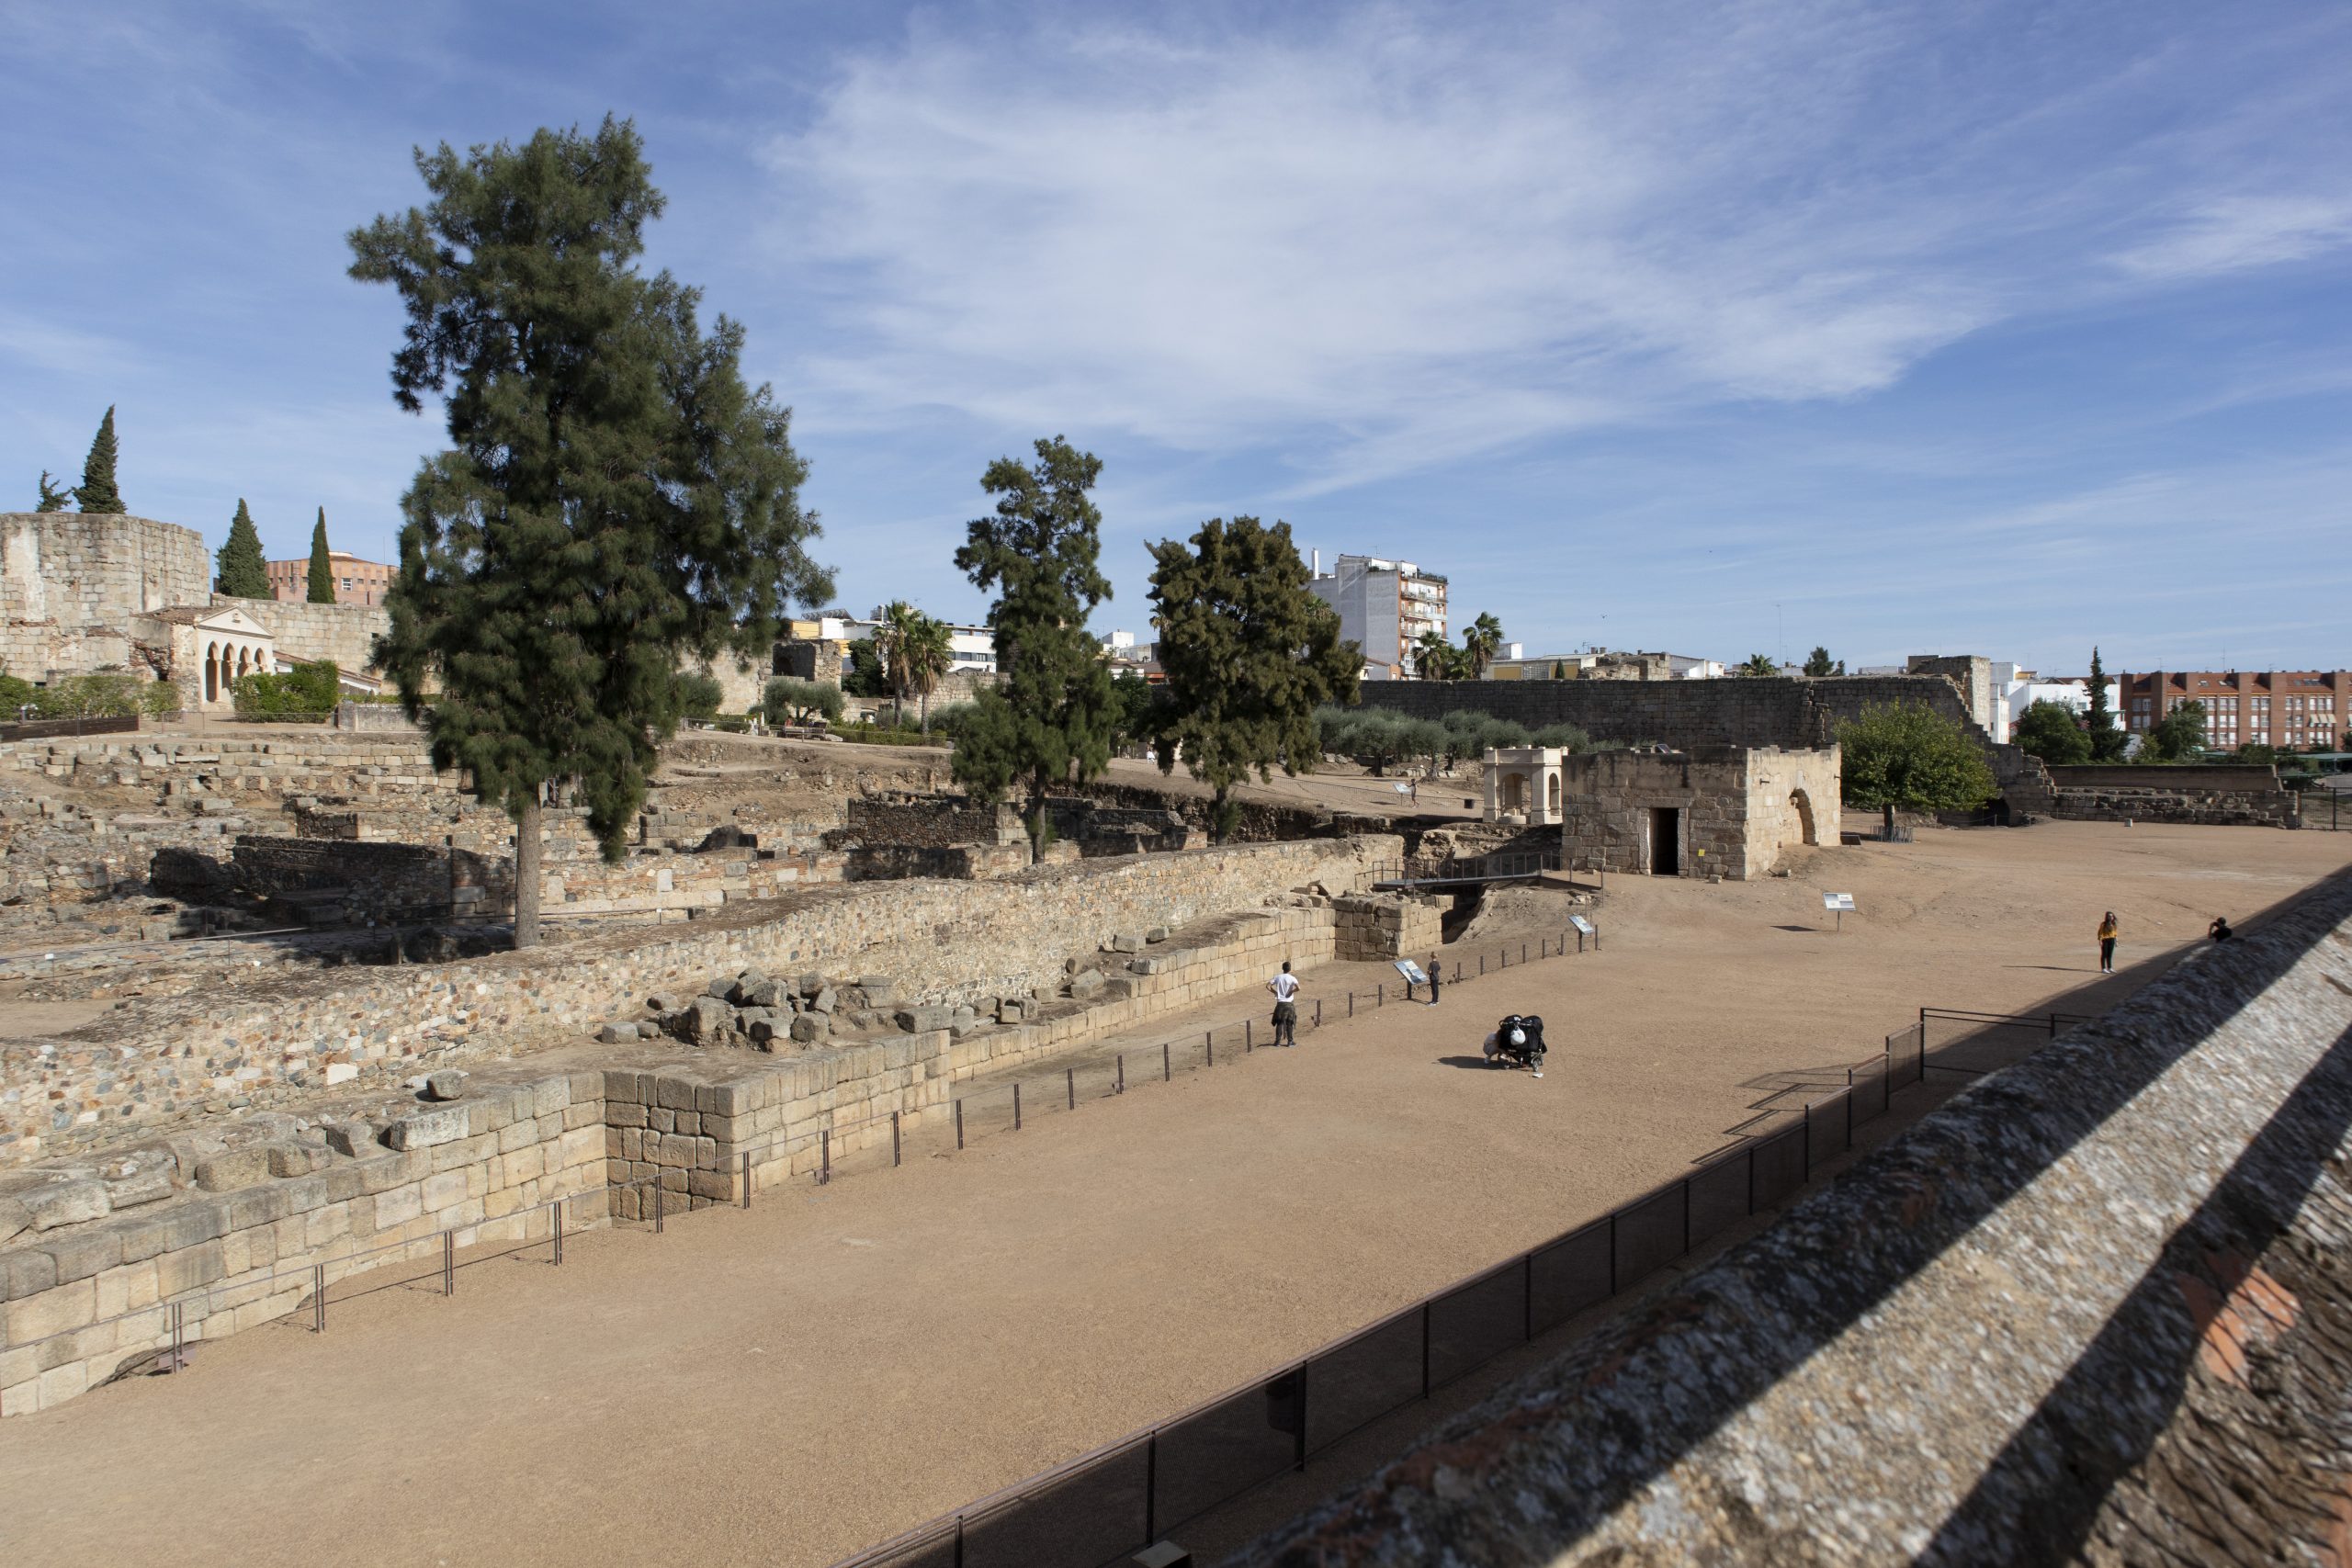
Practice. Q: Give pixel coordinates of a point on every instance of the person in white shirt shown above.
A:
(1285, 988)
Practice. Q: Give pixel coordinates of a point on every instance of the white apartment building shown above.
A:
(969, 646)
(1385, 607)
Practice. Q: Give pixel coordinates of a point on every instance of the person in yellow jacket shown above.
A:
(2106, 929)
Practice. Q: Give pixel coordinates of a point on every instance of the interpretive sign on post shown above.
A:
(1839, 904)
(1581, 924)
(1412, 972)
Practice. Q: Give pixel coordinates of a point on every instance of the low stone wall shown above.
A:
(1382, 929)
(85, 1300)
(942, 941)
(2093, 1309)
(2223, 797)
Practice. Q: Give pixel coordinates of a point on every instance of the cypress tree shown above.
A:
(239, 570)
(96, 492)
(321, 569)
(1054, 713)
(51, 498)
(2107, 741)
(1249, 652)
(615, 502)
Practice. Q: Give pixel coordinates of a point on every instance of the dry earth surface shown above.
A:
(787, 1385)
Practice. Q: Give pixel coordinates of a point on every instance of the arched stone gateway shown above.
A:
(1803, 804)
(209, 648)
(1523, 784)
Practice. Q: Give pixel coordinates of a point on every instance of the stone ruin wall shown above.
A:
(1734, 807)
(65, 574)
(307, 633)
(2093, 1309)
(273, 1042)
(88, 1261)
(2223, 797)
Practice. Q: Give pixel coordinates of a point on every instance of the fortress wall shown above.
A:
(65, 575)
(2094, 1308)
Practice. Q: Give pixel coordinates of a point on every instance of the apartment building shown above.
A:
(1385, 607)
(2275, 708)
(357, 581)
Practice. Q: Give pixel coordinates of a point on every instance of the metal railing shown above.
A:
(1123, 1497)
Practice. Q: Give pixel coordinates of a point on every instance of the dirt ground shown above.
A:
(788, 1384)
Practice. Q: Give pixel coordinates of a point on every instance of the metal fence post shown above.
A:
(894, 1138)
(319, 1298)
(1380, 994)
(1016, 1108)
(449, 1263)
(1318, 1012)
(746, 1158)
(559, 1232)
(959, 1125)
(1249, 1035)
(1167, 1067)
(658, 1205)
(1072, 1075)
(1352, 1004)
(1522, 953)
(1482, 964)
(1211, 1039)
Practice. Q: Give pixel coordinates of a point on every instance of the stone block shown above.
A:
(1157, 933)
(824, 1001)
(880, 990)
(703, 1022)
(13, 1219)
(718, 988)
(617, 1031)
(765, 1030)
(809, 984)
(296, 1158)
(808, 1027)
(231, 1170)
(922, 1020)
(1126, 942)
(449, 1083)
(399, 1205)
(56, 1311)
(26, 1272)
(354, 1139)
(1086, 984)
(83, 1254)
(72, 1202)
(423, 1129)
(1011, 1009)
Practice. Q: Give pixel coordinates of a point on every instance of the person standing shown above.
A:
(1434, 967)
(2107, 931)
(1285, 988)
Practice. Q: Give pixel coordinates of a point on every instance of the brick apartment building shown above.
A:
(357, 581)
(2276, 707)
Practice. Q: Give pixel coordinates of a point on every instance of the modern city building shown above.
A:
(2016, 688)
(1385, 607)
(357, 581)
(969, 646)
(1601, 664)
(2275, 708)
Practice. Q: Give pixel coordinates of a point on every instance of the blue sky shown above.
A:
(1953, 327)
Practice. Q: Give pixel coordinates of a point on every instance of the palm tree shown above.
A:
(1758, 664)
(1480, 643)
(925, 657)
(895, 621)
(1433, 657)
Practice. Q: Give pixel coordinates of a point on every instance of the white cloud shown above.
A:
(2242, 232)
(1398, 234)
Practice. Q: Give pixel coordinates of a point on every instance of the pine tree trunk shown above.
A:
(526, 875)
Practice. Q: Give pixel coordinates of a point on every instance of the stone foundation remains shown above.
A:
(2225, 796)
(1383, 928)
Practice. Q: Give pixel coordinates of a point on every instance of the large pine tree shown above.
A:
(322, 567)
(2107, 739)
(615, 501)
(1055, 715)
(239, 570)
(1250, 652)
(97, 493)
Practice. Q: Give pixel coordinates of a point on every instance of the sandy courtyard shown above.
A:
(790, 1384)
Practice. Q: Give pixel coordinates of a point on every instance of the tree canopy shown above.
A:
(239, 570)
(916, 653)
(2178, 737)
(1482, 639)
(1757, 664)
(1054, 715)
(615, 502)
(97, 493)
(2051, 731)
(788, 701)
(2107, 738)
(1818, 663)
(1249, 651)
(1906, 756)
(321, 583)
(51, 498)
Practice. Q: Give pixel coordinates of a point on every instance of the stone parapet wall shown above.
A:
(2221, 796)
(1383, 928)
(306, 633)
(950, 942)
(2093, 1309)
(79, 1302)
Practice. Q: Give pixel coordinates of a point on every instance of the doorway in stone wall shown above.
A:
(1666, 841)
(1803, 804)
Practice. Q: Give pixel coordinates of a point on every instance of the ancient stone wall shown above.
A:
(942, 942)
(2221, 796)
(232, 1229)
(2093, 1310)
(307, 632)
(1383, 928)
(231, 1218)
(63, 575)
(1733, 810)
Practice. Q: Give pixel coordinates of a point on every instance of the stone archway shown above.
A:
(211, 672)
(1514, 792)
(1803, 804)
(1552, 787)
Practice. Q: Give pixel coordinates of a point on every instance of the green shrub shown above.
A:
(304, 694)
(698, 696)
(159, 699)
(88, 696)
